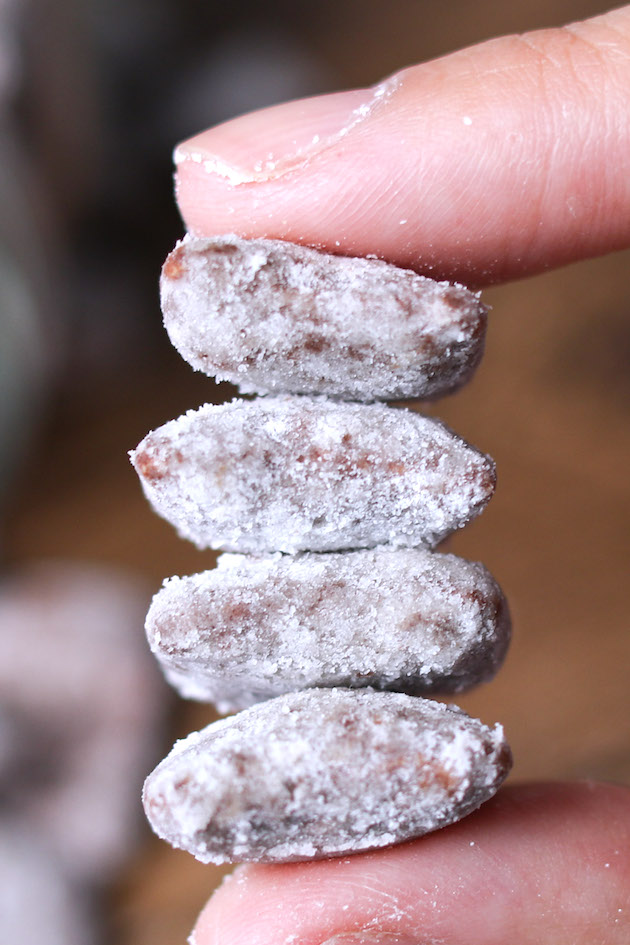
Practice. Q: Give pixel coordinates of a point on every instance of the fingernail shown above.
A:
(372, 938)
(272, 142)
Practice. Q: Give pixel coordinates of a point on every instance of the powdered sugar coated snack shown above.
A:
(300, 474)
(322, 773)
(336, 506)
(273, 316)
(404, 619)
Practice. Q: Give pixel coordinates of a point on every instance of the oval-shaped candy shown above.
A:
(323, 773)
(272, 316)
(302, 474)
(403, 619)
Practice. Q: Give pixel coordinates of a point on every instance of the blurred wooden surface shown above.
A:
(551, 403)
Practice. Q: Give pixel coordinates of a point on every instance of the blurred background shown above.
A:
(93, 97)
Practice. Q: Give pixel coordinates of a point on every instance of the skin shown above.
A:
(502, 160)
(529, 868)
(492, 163)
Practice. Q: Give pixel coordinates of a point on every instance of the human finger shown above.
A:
(538, 865)
(493, 162)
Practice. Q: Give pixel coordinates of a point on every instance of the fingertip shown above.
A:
(533, 860)
(491, 163)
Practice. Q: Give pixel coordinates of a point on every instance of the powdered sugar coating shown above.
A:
(273, 316)
(404, 619)
(299, 474)
(323, 773)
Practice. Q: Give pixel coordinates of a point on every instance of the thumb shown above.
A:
(494, 162)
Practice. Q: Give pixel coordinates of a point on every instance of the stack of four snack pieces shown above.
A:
(331, 613)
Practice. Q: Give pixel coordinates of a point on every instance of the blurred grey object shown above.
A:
(79, 705)
(38, 904)
(19, 381)
(23, 359)
(24, 292)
